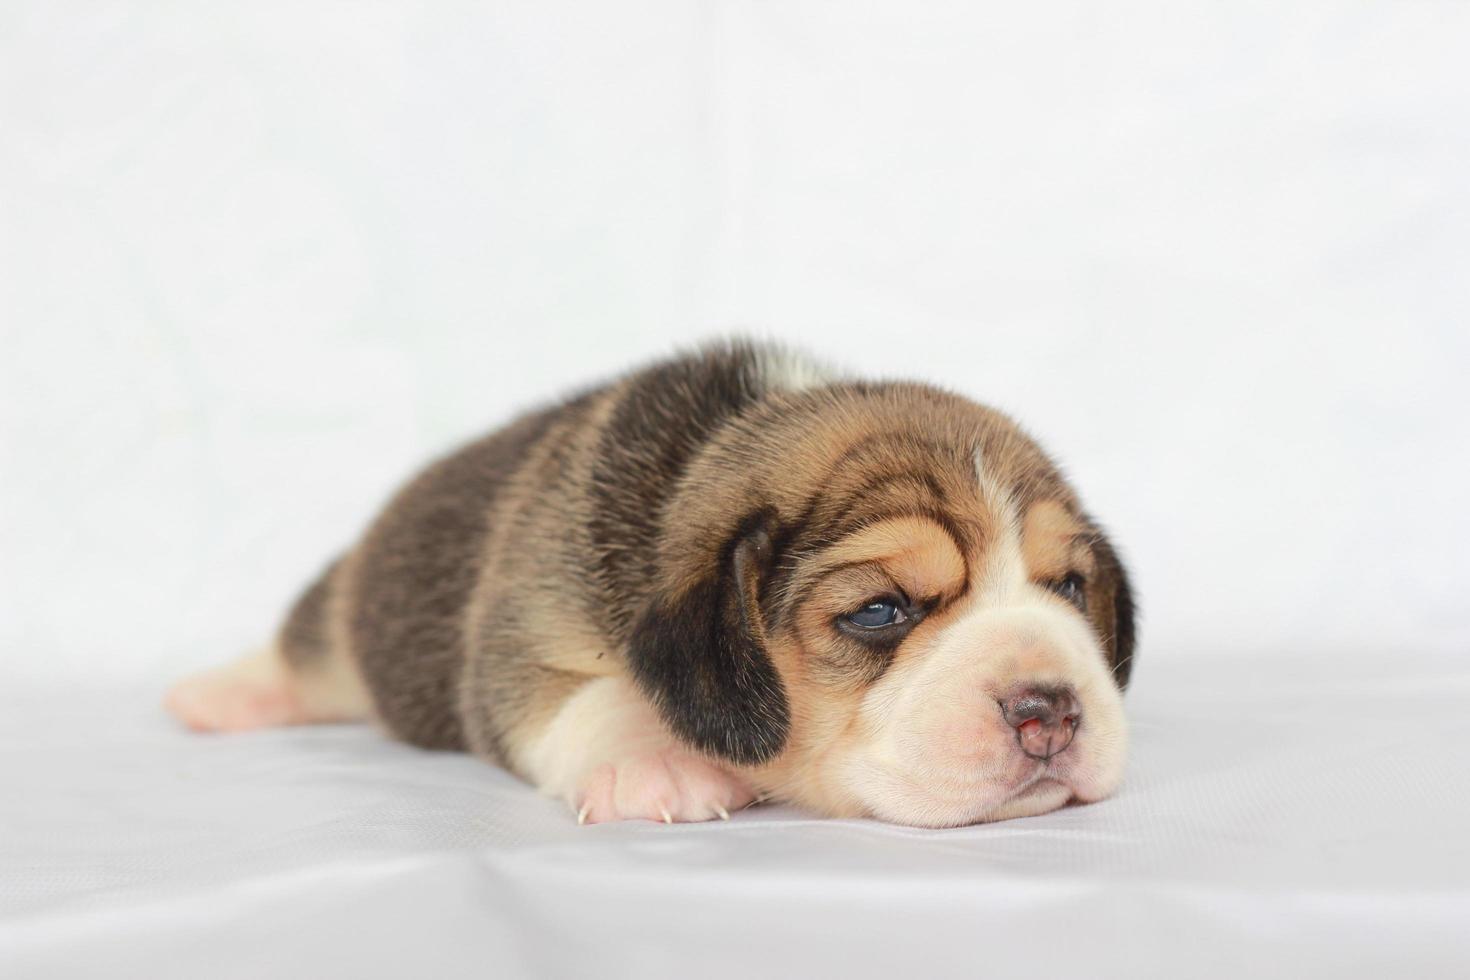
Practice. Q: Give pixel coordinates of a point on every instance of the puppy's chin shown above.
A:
(1023, 788)
(1042, 796)
(903, 801)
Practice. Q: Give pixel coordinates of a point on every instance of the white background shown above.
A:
(260, 261)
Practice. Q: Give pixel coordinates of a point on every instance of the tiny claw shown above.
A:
(668, 817)
(582, 813)
(724, 814)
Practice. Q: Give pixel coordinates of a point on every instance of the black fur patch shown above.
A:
(659, 425)
(701, 657)
(1120, 637)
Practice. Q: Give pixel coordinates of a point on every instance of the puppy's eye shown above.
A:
(878, 614)
(1071, 589)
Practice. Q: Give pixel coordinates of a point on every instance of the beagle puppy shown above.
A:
(724, 578)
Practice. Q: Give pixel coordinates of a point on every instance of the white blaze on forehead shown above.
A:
(1003, 573)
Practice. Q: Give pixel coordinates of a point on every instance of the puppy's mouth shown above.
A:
(1031, 786)
(1043, 785)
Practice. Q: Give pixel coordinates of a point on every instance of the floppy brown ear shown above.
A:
(700, 656)
(1110, 603)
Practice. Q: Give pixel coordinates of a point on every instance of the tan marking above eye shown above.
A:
(917, 554)
(1054, 542)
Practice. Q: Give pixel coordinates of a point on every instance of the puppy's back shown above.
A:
(553, 520)
(395, 603)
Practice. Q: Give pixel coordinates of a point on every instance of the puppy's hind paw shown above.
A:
(253, 692)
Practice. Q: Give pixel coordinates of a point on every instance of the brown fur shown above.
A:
(696, 526)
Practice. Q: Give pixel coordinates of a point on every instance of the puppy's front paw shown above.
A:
(670, 784)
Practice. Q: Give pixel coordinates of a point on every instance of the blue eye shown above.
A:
(1071, 590)
(878, 614)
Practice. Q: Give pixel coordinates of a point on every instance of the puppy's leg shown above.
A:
(306, 676)
(607, 754)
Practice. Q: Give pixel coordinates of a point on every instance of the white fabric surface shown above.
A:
(1282, 818)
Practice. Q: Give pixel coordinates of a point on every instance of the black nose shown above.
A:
(1045, 719)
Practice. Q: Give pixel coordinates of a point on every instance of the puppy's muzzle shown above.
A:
(1045, 719)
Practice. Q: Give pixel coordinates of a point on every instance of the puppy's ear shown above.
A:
(700, 655)
(1110, 605)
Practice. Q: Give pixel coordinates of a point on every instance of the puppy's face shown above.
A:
(918, 621)
(947, 671)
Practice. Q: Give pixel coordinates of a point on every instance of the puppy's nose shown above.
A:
(1045, 719)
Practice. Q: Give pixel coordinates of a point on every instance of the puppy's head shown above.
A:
(884, 600)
